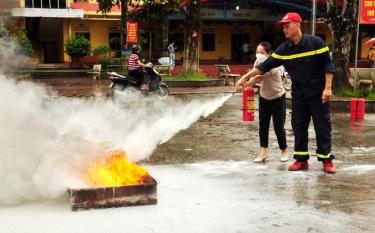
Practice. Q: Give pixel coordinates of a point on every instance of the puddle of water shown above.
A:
(359, 168)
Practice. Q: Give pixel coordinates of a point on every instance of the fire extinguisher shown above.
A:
(248, 104)
(357, 109)
(361, 109)
(353, 108)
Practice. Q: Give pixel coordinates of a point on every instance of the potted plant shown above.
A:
(77, 47)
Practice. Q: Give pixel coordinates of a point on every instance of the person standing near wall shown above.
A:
(245, 49)
(171, 53)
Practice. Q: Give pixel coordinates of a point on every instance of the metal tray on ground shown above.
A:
(109, 197)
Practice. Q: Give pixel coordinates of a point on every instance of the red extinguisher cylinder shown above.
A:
(248, 104)
(353, 108)
(361, 109)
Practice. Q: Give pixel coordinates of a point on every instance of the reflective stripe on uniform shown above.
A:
(299, 55)
(323, 156)
(301, 153)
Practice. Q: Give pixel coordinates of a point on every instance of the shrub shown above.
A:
(78, 46)
(118, 62)
(24, 44)
(102, 51)
(359, 93)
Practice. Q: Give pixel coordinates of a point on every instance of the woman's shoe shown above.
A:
(260, 159)
(262, 155)
(284, 159)
(284, 156)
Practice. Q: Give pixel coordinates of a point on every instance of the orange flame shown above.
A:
(115, 170)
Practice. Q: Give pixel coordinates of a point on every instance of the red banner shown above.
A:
(132, 32)
(367, 11)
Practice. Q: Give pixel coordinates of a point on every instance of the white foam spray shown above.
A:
(45, 143)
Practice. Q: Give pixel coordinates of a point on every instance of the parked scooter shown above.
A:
(156, 86)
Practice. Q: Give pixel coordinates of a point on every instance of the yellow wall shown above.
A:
(223, 43)
(98, 29)
(14, 26)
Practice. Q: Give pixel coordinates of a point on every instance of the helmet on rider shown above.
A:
(135, 48)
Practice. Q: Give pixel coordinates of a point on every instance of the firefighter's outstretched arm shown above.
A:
(241, 82)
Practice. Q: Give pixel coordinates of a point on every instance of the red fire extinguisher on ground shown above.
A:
(353, 108)
(248, 104)
(357, 109)
(361, 109)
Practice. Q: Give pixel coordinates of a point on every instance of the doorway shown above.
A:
(239, 39)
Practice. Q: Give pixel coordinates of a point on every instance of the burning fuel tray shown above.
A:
(108, 197)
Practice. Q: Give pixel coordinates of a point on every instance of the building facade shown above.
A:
(49, 24)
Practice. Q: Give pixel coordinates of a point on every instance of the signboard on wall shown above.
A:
(243, 14)
(212, 13)
(249, 14)
(132, 32)
(367, 11)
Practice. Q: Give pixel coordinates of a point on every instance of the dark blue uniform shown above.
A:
(307, 63)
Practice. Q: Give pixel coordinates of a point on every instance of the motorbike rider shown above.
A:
(135, 68)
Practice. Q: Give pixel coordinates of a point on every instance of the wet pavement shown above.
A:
(233, 144)
(208, 183)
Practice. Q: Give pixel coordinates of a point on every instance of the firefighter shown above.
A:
(307, 60)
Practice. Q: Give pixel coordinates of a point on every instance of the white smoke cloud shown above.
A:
(46, 143)
(9, 59)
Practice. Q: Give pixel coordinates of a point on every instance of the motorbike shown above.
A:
(123, 82)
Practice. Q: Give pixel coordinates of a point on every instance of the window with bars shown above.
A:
(48, 4)
(114, 40)
(83, 34)
(208, 41)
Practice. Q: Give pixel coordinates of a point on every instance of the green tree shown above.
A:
(192, 28)
(342, 19)
(144, 10)
(105, 6)
(151, 10)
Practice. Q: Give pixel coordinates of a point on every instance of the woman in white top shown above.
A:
(271, 104)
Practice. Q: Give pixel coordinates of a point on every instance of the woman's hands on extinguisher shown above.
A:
(241, 83)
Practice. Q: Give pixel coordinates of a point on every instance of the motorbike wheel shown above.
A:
(162, 92)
